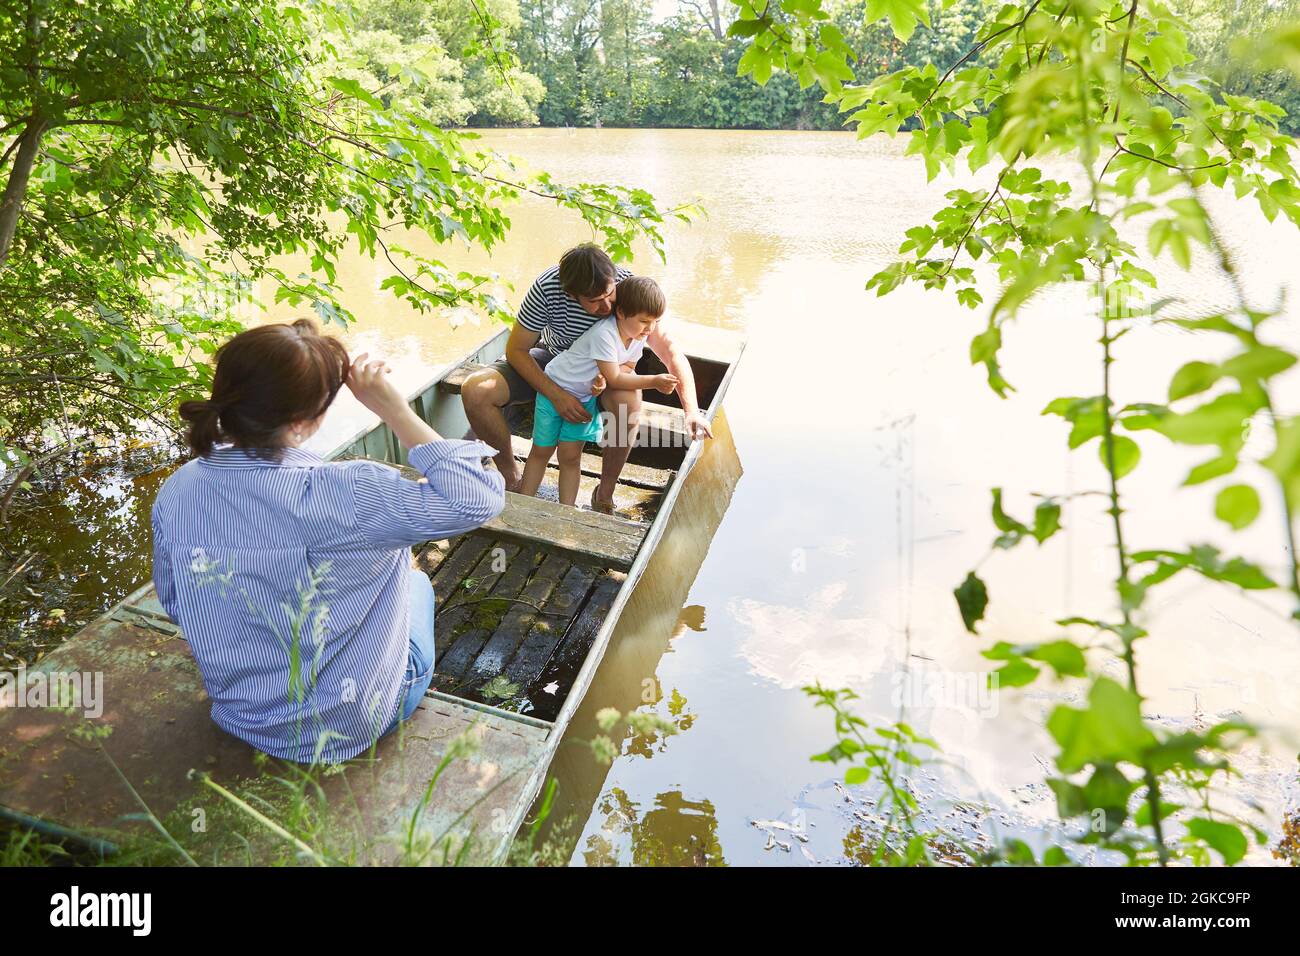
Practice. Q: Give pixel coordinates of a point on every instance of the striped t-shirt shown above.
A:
(558, 318)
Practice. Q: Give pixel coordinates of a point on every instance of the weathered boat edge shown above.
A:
(600, 645)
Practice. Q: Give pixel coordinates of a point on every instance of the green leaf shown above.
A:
(1017, 672)
(984, 350)
(903, 15)
(354, 89)
(1108, 790)
(1070, 801)
(1227, 838)
(1142, 817)
(1206, 560)
(1218, 422)
(1214, 468)
(1126, 452)
(1047, 519)
(1258, 362)
(1065, 658)
(1109, 730)
(856, 775)
(1003, 521)
(1192, 378)
(1238, 505)
(746, 28)
(972, 598)
(1085, 414)
(1056, 856)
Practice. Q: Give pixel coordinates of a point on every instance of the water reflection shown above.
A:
(676, 831)
(79, 547)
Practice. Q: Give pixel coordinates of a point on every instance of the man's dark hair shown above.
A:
(586, 270)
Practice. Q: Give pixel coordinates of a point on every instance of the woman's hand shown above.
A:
(368, 379)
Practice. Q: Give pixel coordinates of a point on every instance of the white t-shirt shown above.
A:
(575, 368)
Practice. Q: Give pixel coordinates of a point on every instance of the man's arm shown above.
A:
(520, 357)
(661, 343)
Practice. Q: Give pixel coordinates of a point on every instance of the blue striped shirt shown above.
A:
(289, 580)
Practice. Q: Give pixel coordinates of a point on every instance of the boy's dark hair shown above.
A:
(586, 270)
(640, 295)
(267, 378)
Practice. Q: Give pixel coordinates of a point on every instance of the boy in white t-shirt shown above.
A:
(603, 356)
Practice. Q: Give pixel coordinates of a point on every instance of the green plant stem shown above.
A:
(153, 819)
(1108, 440)
(1122, 581)
(261, 818)
(1123, 58)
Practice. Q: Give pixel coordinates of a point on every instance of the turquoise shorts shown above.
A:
(549, 427)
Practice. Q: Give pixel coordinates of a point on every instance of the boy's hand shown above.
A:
(664, 382)
(597, 384)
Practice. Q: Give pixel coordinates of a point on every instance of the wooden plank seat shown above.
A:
(636, 501)
(584, 536)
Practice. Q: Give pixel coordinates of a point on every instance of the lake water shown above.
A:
(865, 445)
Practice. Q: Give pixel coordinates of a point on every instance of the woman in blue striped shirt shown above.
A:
(290, 576)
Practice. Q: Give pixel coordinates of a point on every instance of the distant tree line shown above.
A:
(611, 63)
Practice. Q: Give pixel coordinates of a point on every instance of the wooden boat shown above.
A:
(527, 606)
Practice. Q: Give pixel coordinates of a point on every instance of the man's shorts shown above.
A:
(520, 390)
(549, 427)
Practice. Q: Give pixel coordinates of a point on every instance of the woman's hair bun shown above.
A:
(266, 379)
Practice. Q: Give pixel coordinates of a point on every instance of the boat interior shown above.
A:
(521, 600)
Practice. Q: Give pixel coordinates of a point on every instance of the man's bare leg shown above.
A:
(616, 444)
(485, 395)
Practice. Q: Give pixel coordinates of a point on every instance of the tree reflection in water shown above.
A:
(676, 832)
(76, 547)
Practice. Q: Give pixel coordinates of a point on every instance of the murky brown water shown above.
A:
(846, 497)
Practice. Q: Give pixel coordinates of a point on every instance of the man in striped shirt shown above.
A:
(562, 303)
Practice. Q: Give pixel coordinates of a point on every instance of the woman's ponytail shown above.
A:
(204, 418)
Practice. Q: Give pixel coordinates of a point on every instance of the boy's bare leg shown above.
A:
(485, 395)
(535, 469)
(616, 444)
(570, 471)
